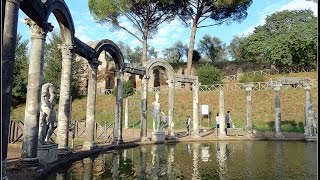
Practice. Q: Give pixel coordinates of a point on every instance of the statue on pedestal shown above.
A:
(47, 120)
(159, 118)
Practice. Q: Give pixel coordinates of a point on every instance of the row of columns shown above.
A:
(144, 103)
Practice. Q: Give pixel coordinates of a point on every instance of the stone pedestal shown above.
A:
(89, 145)
(47, 153)
(158, 136)
(29, 162)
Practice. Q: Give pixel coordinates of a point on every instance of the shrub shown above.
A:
(128, 89)
(246, 77)
(208, 74)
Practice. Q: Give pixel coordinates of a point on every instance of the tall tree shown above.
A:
(236, 48)
(288, 38)
(53, 65)
(213, 48)
(219, 11)
(145, 15)
(20, 77)
(175, 52)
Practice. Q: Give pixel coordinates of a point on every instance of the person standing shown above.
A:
(228, 119)
(188, 121)
(217, 123)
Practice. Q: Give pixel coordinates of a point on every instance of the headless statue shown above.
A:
(156, 113)
(312, 126)
(48, 120)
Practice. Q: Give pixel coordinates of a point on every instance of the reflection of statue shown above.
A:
(311, 122)
(159, 118)
(47, 113)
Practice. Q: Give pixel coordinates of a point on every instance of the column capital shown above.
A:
(66, 50)
(38, 31)
(307, 87)
(248, 87)
(94, 63)
(276, 87)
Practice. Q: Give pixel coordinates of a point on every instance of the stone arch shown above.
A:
(151, 64)
(110, 47)
(61, 11)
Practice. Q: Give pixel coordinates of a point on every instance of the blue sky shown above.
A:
(88, 30)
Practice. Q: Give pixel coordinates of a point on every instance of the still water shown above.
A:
(215, 160)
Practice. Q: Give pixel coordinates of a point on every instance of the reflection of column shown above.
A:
(117, 131)
(278, 160)
(277, 110)
(155, 171)
(307, 89)
(249, 107)
(126, 113)
(35, 76)
(222, 132)
(143, 158)
(170, 161)
(170, 106)
(9, 15)
(222, 157)
(99, 167)
(195, 91)
(115, 165)
(91, 107)
(87, 168)
(196, 149)
(64, 100)
(125, 155)
(143, 122)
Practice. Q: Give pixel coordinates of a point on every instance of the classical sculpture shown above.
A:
(311, 122)
(47, 121)
(159, 118)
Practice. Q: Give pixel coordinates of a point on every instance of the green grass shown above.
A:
(292, 104)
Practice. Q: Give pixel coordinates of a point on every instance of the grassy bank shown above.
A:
(292, 104)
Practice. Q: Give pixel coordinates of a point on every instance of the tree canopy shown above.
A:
(145, 15)
(213, 48)
(218, 11)
(288, 38)
(20, 72)
(175, 52)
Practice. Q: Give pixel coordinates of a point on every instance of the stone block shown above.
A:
(47, 153)
(235, 132)
(158, 136)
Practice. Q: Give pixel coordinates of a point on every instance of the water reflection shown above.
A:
(216, 160)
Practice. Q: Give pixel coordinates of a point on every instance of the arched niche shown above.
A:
(64, 18)
(110, 47)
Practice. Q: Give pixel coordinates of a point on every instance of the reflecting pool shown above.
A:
(212, 160)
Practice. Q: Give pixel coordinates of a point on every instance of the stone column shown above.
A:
(35, 77)
(126, 113)
(307, 89)
(91, 107)
(117, 131)
(222, 131)
(170, 107)
(195, 91)
(249, 108)
(64, 101)
(10, 11)
(277, 109)
(144, 105)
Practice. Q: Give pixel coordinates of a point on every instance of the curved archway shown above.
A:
(61, 11)
(150, 66)
(110, 47)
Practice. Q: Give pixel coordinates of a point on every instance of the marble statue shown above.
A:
(159, 118)
(47, 120)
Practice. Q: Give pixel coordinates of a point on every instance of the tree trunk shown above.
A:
(190, 51)
(145, 49)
